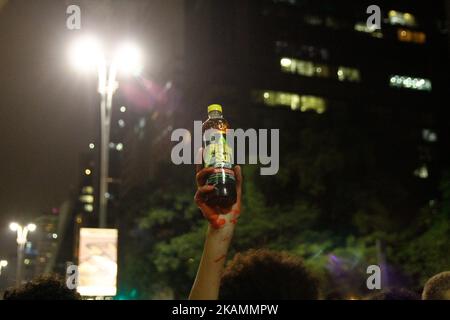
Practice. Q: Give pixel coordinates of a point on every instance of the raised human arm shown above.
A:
(218, 238)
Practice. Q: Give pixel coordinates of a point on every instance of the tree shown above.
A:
(337, 193)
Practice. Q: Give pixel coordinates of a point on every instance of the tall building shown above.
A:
(46, 242)
(280, 63)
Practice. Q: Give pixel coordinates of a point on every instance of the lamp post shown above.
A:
(22, 234)
(3, 264)
(87, 53)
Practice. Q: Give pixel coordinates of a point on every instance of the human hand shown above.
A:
(217, 216)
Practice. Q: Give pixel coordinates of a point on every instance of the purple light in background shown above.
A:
(334, 263)
(144, 93)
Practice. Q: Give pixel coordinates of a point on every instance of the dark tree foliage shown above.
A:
(342, 186)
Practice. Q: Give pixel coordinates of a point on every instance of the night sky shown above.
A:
(45, 112)
(48, 109)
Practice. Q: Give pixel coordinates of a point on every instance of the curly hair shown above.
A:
(48, 287)
(267, 275)
(437, 287)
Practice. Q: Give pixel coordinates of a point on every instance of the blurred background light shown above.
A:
(129, 59)
(86, 53)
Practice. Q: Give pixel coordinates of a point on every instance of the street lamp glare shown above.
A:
(86, 53)
(129, 59)
(3, 263)
(13, 226)
(31, 227)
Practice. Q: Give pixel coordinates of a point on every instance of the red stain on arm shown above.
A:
(214, 219)
(216, 222)
(220, 258)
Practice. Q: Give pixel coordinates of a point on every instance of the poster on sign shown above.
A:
(97, 262)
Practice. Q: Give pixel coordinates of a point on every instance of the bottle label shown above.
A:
(217, 154)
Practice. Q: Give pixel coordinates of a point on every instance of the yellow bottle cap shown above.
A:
(214, 107)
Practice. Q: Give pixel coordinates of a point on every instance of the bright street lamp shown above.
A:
(22, 233)
(129, 59)
(13, 226)
(86, 54)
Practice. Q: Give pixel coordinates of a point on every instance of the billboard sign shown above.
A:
(97, 265)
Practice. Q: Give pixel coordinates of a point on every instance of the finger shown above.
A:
(202, 191)
(214, 217)
(210, 214)
(217, 223)
(202, 175)
(199, 197)
(205, 189)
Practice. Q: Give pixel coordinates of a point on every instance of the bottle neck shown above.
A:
(215, 114)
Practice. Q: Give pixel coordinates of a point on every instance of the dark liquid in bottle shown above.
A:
(218, 155)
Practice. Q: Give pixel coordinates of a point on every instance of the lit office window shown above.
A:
(421, 172)
(87, 190)
(411, 36)
(292, 100)
(348, 74)
(404, 35)
(304, 68)
(273, 98)
(429, 135)
(362, 27)
(321, 70)
(87, 198)
(422, 84)
(401, 18)
(312, 103)
(419, 37)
